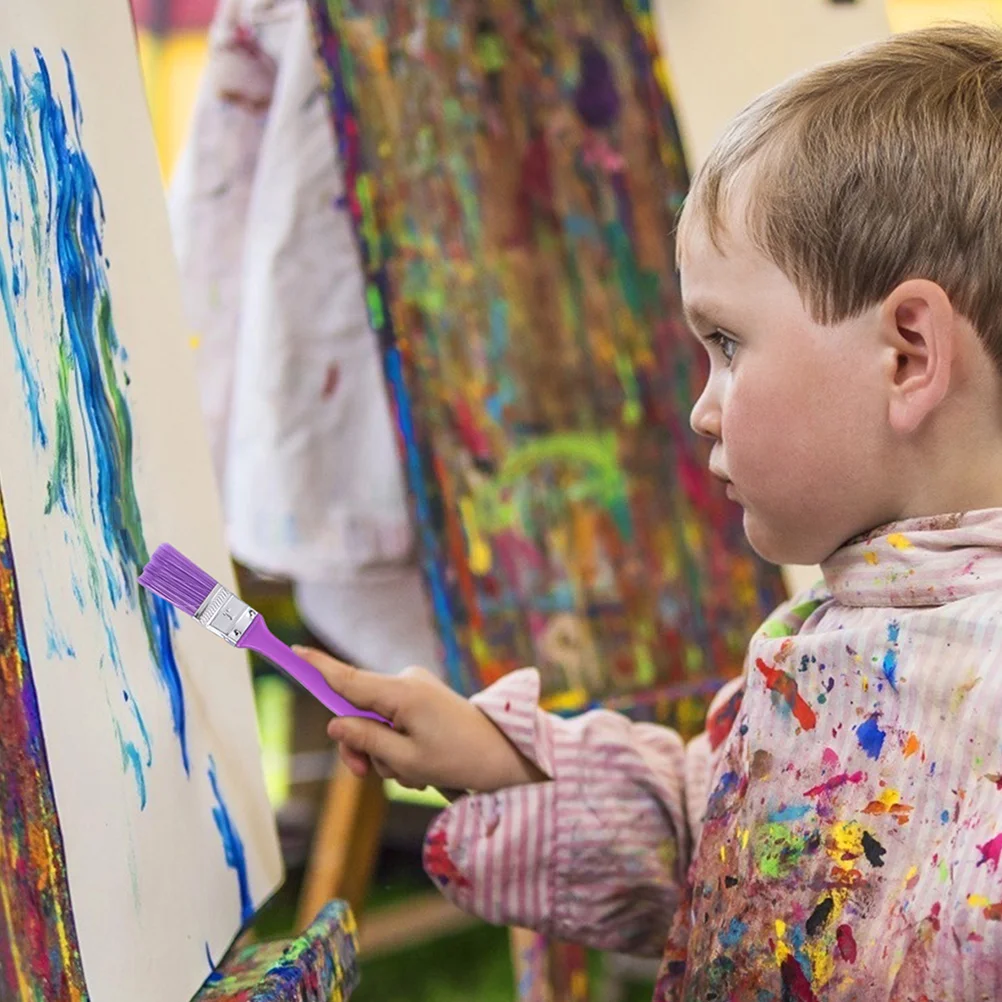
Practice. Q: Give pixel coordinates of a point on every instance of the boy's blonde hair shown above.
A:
(882, 166)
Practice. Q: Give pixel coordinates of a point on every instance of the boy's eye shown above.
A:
(725, 344)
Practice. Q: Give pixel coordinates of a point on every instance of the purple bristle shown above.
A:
(173, 577)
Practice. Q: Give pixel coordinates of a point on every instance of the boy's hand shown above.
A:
(438, 738)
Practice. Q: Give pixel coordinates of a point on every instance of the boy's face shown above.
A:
(797, 411)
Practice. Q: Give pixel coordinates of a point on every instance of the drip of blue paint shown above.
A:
(871, 737)
(214, 977)
(233, 846)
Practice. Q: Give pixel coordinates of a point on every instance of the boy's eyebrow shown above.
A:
(697, 317)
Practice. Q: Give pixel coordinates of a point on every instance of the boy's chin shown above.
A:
(779, 546)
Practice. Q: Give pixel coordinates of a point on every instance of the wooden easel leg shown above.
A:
(546, 971)
(345, 843)
(531, 962)
(569, 972)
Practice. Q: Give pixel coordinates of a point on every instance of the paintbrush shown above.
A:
(173, 577)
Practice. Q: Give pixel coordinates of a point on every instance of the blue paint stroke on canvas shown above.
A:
(214, 977)
(55, 292)
(233, 846)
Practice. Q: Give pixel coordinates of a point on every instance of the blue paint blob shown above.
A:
(233, 847)
(790, 814)
(730, 939)
(720, 798)
(890, 665)
(945, 817)
(871, 737)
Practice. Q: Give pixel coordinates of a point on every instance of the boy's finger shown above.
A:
(357, 764)
(374, 740)
(383, 770)
(367, 690)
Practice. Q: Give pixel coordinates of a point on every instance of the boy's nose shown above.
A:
(705, 417)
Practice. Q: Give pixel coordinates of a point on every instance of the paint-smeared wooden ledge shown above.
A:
(319, 966)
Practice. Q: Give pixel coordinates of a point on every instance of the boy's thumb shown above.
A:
(365, 689)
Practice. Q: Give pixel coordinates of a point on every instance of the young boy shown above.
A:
(837, 832)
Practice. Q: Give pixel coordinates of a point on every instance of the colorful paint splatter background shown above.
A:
(73, 371)
(513, 169)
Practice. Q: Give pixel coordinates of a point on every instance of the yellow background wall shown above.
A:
(905, 15)
(172, 68)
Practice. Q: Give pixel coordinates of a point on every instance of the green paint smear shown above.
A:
(595, 458)
(777, 850)
(645, 670)
(779, 627)
(64, 464)
(132, 521)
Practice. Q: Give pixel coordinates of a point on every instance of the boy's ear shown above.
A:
(919, 328)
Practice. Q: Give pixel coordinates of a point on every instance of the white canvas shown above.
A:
(169, 844)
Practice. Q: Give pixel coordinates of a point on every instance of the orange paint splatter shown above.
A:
(912, 745)
(786, 686)
(889, 803)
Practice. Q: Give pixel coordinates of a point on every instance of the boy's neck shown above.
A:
(962, 472)
(954, 463)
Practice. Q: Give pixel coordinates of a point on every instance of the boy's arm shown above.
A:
(577, 828)
(597, 854)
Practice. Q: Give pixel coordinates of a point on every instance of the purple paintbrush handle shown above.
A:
(259, 638)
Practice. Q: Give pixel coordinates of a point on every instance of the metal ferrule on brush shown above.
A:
(225, 615)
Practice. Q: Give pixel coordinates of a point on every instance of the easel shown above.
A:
(518, 259)
(342, 858)
(340, 865)
(39, 955)
(352, 814)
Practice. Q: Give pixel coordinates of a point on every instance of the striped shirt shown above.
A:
(835, 834)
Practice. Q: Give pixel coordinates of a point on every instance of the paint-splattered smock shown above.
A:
(845, 804)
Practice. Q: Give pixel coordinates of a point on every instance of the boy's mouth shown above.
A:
(729, 488)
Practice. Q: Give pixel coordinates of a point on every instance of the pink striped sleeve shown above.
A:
(596, 855)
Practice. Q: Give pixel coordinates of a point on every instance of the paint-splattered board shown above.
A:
(320, 966)
(135, 833)
(39, 955)
(513, 169)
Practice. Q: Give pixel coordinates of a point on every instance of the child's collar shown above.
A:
(919, 562)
